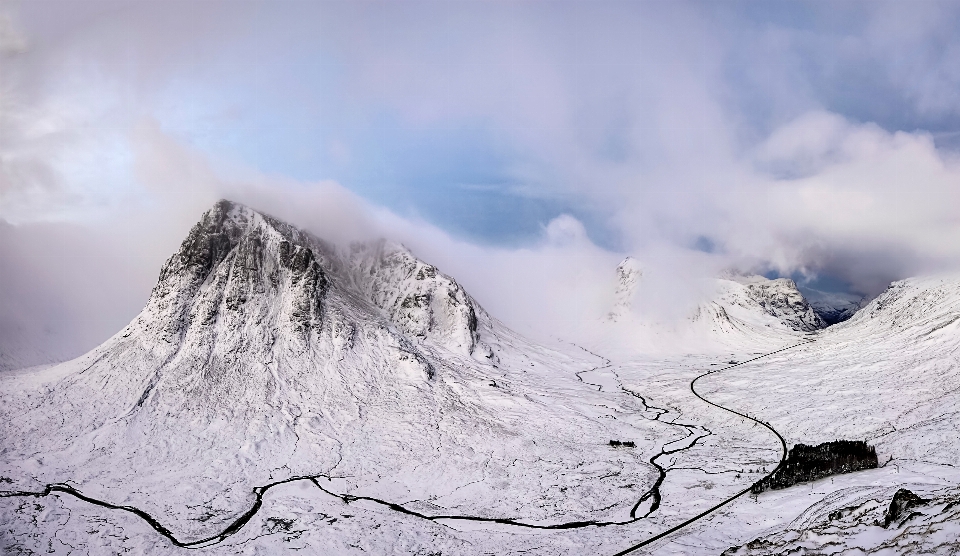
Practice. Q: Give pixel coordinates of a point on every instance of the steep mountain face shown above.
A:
(265, 353)
(245, 299)
(781, 299)
(753, 310)
(629, 274)
(424, 303)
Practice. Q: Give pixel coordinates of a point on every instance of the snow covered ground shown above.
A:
(394, 416)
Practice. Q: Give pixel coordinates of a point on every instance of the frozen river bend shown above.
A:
(281, 393)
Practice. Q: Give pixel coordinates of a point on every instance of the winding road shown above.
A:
(708, 511)
(652, 494)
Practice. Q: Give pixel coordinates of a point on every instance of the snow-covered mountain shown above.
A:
(265, 353)
(253, 356)
(778, 298)
(393, 415)
(740, 311)
(629, 274)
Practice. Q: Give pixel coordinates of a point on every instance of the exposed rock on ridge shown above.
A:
(629, 274)
(232, 255)
(249, 306)
(423, 302)
(780, 298)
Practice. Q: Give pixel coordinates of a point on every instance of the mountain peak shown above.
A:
(238, 263)
(249, 305)
(780, 297)
(629, 274)
(422, 301)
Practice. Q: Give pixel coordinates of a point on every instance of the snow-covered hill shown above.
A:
(781, 299)
(265, 353)
(741, 312)
(395, 406)
(889, 375)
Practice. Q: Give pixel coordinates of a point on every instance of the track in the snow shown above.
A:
(259, 491)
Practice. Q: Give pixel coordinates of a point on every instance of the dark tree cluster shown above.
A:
(809, 463)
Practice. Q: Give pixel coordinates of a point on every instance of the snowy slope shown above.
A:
(266, 354)
(754, 307)
(890, 375)
(629, 274)
(742, 312)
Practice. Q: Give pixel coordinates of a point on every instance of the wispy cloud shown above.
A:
(795, 137)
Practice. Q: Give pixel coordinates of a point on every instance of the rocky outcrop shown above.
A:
(867, 520)
(629, 274)
(903, 501)
(779, 298)
(230, 258)
(421, 301)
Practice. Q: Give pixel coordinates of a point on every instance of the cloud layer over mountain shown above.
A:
(523, 148)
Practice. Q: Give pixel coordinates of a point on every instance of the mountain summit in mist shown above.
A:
(280, 392)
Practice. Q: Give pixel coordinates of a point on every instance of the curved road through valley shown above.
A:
(708, 511)
(259, 491)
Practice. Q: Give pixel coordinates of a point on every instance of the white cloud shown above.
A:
(674, 121)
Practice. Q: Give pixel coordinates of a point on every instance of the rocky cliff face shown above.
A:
(271, 330)
(781, 299)
(239, 270)
(424, 303)
(629, 274)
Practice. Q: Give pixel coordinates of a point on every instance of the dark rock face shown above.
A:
(245, 288)
(782, 299)
(232, 264)
(835, 314)
(903, 501)
(209, 241)
(809, 463)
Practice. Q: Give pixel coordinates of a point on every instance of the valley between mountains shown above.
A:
(279, 393)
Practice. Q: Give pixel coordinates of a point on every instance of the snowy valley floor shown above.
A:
(714, 455)
(791, 390)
